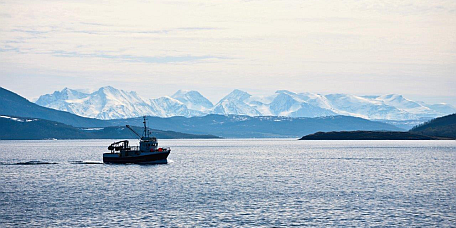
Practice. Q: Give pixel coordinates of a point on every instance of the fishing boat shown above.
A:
(147, 152)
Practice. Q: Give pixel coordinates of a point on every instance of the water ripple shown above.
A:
(257, 183)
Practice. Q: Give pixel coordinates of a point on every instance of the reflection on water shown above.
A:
(237, 183)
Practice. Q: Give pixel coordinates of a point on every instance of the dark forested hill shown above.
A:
(32, 128)
(441, 127)
(12, 104)
(366, 135)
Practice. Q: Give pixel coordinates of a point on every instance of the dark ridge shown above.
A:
(19, 128)
(233, 126)
(368, 135)
(444, 126)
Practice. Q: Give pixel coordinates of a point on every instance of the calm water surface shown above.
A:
(231, 183)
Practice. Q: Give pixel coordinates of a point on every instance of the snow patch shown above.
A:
(93, 129)
(18, 119)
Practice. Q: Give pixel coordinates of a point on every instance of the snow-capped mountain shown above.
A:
(351, 105)
(287, 103)
(441, 109)
(233, 103)
(110, 103)
(105, 103)
(193, 100)
(58, 100)
(167, 107)
(416, 108)
(65, 94)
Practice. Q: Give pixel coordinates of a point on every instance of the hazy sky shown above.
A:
(214, 46)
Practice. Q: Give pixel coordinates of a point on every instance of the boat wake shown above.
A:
(86, 162)
(51, 163)
(29, 163)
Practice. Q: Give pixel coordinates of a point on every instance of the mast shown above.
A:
(146, 133)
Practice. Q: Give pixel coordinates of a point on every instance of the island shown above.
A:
(369, 135)
(441, 128)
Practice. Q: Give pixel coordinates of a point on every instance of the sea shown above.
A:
(231, 183)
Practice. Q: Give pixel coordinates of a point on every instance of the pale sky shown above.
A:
(214, 46)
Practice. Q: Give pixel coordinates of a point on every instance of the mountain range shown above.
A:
(18, 116)
(111, 103)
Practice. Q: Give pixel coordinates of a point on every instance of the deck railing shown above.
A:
(134, 147)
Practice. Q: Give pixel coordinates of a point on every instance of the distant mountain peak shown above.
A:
(108, 89)
(392, 96)
(168, 98)
(181, 92)
(193, 100)
(186, 93)
(237, 95)
(285, 92)
(60, 96)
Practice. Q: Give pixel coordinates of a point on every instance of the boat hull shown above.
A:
(149, 158)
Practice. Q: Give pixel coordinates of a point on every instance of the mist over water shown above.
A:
(231, 183)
